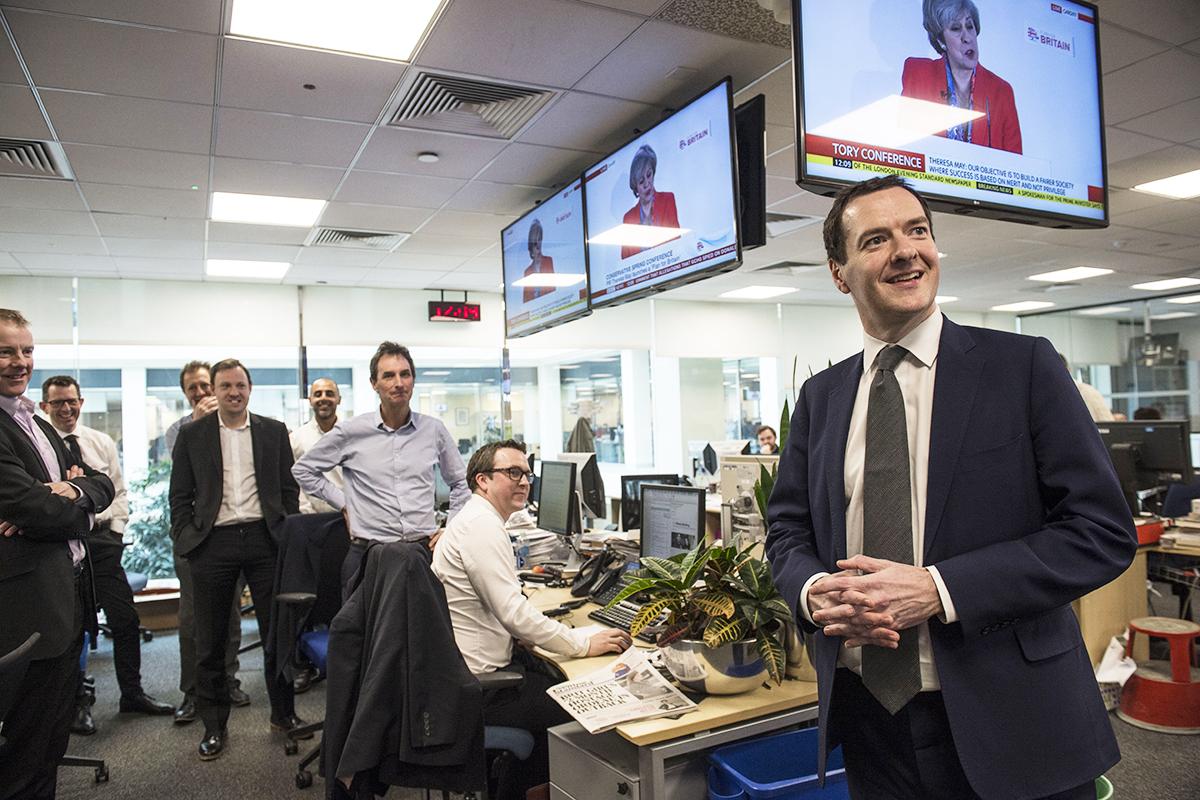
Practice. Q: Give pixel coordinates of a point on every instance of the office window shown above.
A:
(743, 407)
(591, 390)
(467, 401)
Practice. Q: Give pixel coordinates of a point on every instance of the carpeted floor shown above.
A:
(150, 757)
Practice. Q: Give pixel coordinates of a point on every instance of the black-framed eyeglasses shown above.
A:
(515, 473)
(68, 401)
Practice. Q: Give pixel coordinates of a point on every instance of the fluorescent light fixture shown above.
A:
(1169, 283)
(379, 28)
(1173, 315)
(1186, 300)
(1024, 305)
(265, 209)
(256, 270)
(757, 292)
(1179, 187)
(568, 366)
(895, 121)
(942, 299)
(749, 374)
(942, 255)
(550, 280)
(435, 373)
(1102, 310)
(637, 235)
(601, 374)
(1071, 274)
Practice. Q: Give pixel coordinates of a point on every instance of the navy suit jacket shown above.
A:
(1023, 515)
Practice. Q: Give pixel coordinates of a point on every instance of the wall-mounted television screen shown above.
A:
(988, 107)
(662, 210)
(545, 265)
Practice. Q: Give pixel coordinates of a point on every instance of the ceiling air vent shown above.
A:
(453, 104)
(793, 267)
(781, 223)
(383, 241)
(29, 158)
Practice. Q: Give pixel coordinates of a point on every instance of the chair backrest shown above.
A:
(12, 671)
(311, 550)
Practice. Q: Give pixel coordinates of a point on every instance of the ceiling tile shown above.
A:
(779, 189)
(1120, 144)
(253, 252)
(400, 278)
(538, 165)
(9, 265)
(1169, 20)
(646, 8)
(779, 137)
(396, 149)
(129, 167)
(22, 118)
(1140, 88)
(40, 193)
(381, 188)
(483, 265)
(52, 243)
(590, 122)
(324, 274)
(256, 234)
(780, 94)
(152, 62)
(497, 198)
(155, 248)
(10, 67)
(129, 121)
(363, 217)
(141, 200)
(443, 245)
(133, 226)
(458, 281)
(62, 262)
(1158, 215)
(195, 15)
(466, 224)
(271, 177)
(1179, 123)
(32, 220)
(550, 42)
(278, 137)
(783, 164)
(335, 257)
(1159, 164)
(1122, 201)
(1119, 48)
(638, 69)
(137, 266)
(269, 77)
(420, 262)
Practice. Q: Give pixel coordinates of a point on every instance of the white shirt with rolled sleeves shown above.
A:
(100, 453)
(474, 561)
(303, 439)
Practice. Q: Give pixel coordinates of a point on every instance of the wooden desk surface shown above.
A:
(714, 711)
(1178, 550)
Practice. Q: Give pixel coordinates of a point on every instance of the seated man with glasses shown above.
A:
(474, 560)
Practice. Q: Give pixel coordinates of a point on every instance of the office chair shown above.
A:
(13, 666)
(68, 760)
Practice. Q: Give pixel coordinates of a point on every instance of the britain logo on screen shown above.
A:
(1050, 40)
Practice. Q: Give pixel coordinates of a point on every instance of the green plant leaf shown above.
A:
(715, 604)
(648, 613)
(753, 579)
(692, 571)
(639, 585)
(773, 655)
(785, 420)
(778, 608)
(662, 567)
(723, 631)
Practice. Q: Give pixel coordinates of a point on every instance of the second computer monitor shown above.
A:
(672, 519)
(557, 506)
(631, 497)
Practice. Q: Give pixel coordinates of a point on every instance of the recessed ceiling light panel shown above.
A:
(264, 209)
(1179, 187)
(1071, 274)
(1024, 305)
(757, 292)
(378, 28)
(1169, 283)
(250, 270)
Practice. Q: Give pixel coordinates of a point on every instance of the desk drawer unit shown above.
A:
(604, 766)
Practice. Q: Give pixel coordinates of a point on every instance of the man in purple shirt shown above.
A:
(48, 502)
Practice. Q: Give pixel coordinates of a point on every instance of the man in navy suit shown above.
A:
(942, 498)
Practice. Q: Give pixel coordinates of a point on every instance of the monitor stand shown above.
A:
(574, 560)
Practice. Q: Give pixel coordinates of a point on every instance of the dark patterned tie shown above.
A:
(892, 676)
(73, 445)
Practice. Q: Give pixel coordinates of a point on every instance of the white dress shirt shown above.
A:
(302, 441)
(239, 489)
(474, 561)
(916, 375)
(100, 453)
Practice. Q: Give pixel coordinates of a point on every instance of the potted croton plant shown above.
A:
(725, 620)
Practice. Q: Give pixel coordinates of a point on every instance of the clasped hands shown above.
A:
(61, 488)
(871, 600)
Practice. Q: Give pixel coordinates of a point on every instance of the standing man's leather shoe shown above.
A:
(288, 724)
(238, 698)
(83, 724)
(142, 703)
(186, 712)
(212, 745)
(305, 679)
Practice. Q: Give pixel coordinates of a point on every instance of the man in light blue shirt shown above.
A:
(387, 459)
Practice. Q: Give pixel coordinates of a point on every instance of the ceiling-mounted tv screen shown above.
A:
(545, 265)
(989, 107)
(662, 210)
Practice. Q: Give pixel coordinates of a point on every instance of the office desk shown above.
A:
(1105, 612)
(663, 756)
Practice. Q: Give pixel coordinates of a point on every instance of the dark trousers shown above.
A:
(187, 632)
(114, 596)
(230, 552)
(909, 756)
(529, 707)
(353, 563)
(38, 726)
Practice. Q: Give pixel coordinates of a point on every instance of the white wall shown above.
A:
(1080, 339)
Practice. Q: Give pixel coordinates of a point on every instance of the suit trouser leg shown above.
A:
(38, 726)
(115, 597)
(215, 567)
(259, 555)
(187, 633)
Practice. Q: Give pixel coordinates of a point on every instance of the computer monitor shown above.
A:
(534, 483)
(441, 490)
(672, 519)
(589, 483)
(631, 497)
(728, 447)
(1146, 455)
(557, 498)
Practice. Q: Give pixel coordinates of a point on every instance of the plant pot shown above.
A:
(729, 669)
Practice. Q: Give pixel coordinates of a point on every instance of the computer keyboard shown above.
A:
(621, 616)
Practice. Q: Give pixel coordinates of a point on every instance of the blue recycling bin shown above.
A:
(782, 766)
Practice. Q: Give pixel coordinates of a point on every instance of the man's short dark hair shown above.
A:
(230, 363)
(762, 428)
(391, 349)
(61, 381)
(835, 230)
(484, 459)
(192, 366)
(13, 317)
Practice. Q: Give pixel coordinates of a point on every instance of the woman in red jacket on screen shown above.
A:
(653, 207)
(537, 263)
(958, 79)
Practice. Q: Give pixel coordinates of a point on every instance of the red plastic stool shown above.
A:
(1162, 697)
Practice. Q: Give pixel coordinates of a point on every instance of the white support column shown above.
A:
(135, 435)
(550, 410)
(769, 393)
(365, 399)
(670, 450)
(636, 409)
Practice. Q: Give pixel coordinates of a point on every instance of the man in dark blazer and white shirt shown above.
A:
(47, 507)
(952, 666)
(231, 487)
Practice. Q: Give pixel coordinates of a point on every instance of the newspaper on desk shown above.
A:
(627, 689)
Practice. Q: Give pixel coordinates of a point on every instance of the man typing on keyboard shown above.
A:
(474, 560)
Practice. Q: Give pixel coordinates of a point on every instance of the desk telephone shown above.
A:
(598, 573)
